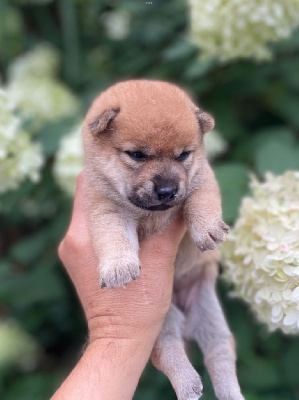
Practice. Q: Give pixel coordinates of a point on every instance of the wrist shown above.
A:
(138, 330)
(119, 364)
(109, 369)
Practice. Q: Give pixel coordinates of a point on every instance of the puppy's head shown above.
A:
(144, 143)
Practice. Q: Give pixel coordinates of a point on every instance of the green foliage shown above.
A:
(233, 179)
(36, 385)
(256, 110)
(51, 134)
(276, 156)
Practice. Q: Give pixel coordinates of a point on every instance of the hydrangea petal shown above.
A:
(291, 317)
(295, 293)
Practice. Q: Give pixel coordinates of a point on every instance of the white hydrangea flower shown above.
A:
(17, 347)
(215, 145)
(32, 86)
(20, 158)
(42, 100)
(116, 24)
(43, 61)
(69, 160)
(261, 253)
(230, 29)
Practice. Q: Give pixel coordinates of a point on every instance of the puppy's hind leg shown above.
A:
(206, 324)
(169, 356)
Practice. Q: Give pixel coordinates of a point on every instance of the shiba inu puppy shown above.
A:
(145, 163)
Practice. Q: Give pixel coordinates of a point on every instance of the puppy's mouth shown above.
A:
(160, 207)
(156, 207)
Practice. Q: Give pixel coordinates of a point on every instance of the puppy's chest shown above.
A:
(155, 222)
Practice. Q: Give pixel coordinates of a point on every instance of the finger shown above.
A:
(76, 245)
(78, 224)
(78, 229)
(175, 232)
(164, 246)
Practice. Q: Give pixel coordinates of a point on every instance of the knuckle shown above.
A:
(60, 250)
(80, 180)
(73, 244)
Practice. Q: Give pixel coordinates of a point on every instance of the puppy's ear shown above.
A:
(206, 121)
(101, 123)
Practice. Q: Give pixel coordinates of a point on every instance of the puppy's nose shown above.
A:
(166, 192)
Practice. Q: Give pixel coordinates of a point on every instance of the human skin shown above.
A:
(123, 323)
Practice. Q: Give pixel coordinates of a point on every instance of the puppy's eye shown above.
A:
(183, 156)
(136, 155)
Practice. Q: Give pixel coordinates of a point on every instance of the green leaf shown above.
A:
(30, 248)
(41, 284)
(35, 385)
(69, 27)
(179, 49)
(199, 68)
(281, 134)
(51, 134)
(286, 105)
(227, 121)
(233, 180)
(290, 363)
(277, 157)
(9, 201)
(259, 373)
(246, 149)
(289, 72)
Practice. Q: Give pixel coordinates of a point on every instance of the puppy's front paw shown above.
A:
(119, 272)
(208, 236)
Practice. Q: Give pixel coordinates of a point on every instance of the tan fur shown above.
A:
(126, 201)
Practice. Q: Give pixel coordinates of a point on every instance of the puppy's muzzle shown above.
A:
(163, 196)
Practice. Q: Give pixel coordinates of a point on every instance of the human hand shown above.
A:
(123, 322)
(135, 310)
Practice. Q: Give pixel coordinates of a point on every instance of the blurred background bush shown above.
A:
(55, 57)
